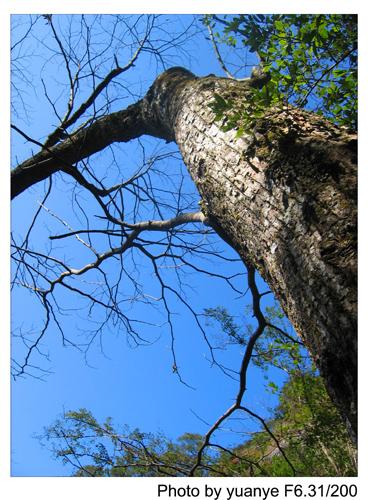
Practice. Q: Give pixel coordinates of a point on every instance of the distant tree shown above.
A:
(306, 428)
(98, 449)
(309, 429)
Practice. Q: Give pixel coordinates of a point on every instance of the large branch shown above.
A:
(121, 126)
(150, 115)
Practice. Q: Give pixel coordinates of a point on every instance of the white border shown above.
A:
(61, 488)
(187, 7)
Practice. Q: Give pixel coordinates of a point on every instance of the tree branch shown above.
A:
(258, 314)
(121, 126)
(68, 121)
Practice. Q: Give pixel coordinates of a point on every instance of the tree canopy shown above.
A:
(305, 437)
(310, 60)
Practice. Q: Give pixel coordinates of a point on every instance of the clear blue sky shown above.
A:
(134, 386)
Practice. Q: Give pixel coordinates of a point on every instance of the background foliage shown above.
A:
(310, 61)
(304, 437)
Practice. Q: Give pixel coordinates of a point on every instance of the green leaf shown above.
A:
(273, 386)
(322, 31)
(279, 25)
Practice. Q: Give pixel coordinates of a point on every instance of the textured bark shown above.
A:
(283, 196)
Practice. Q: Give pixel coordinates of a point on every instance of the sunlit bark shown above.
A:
(283, 195)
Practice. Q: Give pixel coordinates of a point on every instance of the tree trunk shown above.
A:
(283, 196)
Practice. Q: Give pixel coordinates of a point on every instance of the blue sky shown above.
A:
(135, 386)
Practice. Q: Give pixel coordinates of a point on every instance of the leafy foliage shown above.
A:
(308, 428)
(101, 450)
(305, 422)
(305, 426)
(311, 60)
(241, 115)
(277, 347)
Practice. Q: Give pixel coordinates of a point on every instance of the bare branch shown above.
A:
(68, 120)
(121, 126)
(256, 296)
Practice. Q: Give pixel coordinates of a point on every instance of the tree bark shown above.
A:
(283, 196)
